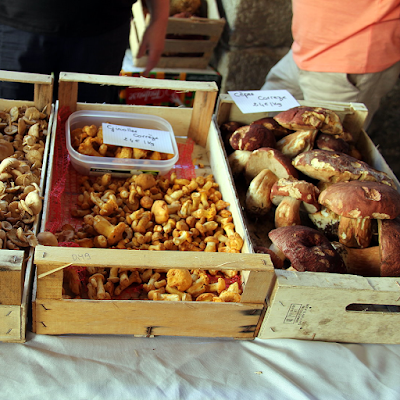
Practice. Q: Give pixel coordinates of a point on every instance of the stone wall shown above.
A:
(257, 35)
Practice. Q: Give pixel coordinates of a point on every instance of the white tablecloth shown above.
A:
(122, 367)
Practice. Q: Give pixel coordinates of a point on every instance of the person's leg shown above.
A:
(284, 75)
(373, 87)
(357, 88)
(101, 54)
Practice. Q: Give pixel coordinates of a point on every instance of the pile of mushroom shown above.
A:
(331, 211)
(22, 143)
(151, 284)
(145, 212)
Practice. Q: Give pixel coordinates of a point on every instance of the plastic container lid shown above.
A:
(118, 167)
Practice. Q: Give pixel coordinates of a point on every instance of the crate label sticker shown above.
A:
(140, 138)
(254, 101)
(296, 313)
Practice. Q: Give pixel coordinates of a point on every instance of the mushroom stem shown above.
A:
(288, 212)
(364, 262)
(355, 232)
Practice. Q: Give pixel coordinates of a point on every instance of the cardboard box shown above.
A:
(53, 314)
(16, 266)
(322, 306)
(190, 42)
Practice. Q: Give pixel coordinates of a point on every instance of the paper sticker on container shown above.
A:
(254, 101)
(140, 138)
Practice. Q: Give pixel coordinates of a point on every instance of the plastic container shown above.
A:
(118, 167)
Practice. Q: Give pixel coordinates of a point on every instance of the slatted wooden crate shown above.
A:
(322, 306)
(55, 315)
(16, 266)
(183, 46)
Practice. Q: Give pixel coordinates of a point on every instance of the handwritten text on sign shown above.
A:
(263, 100)
(140, 138)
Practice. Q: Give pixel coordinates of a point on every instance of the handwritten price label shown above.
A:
(140, 138)
(263, 100)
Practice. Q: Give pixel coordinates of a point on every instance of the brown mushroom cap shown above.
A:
(227, 130)
(252, 137)
(389, 244)
(278, 130)
(307, 249)
(334, 166)
(357, 199)
(272, 159)
(329, 142)
(303, 117)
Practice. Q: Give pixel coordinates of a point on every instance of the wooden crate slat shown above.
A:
(141, 317)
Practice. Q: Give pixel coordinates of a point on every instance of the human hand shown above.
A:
(153, 40)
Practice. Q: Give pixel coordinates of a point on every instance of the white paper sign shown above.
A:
(140, 138)
(254, 101)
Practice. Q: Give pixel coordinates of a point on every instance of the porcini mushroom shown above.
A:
(381, 260)
(307, 249)
(289, 194)
(304, 117)
(334, 166)
(357, 203)
(252, 137)
(258, 200)
(269, 158)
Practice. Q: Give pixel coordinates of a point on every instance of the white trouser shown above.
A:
(330, 86)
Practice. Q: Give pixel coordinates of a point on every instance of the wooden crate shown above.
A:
(322, 306)
(16, 266)
(181, 52)
(55, 315)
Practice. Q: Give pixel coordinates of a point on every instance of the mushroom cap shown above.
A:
(278, 130)
(145, 181)
(272, 159)
(298, 190)
(47, 238)
(303, 117)
(179, 278)
(252, 137)
(307, 249)
(329, 142)
(334, 166)
(297, 142)
(357, 199)
(389, 244)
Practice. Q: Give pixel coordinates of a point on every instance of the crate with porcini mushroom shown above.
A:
(142, 252)
(321, 200)
(194, 30)
(25, 132)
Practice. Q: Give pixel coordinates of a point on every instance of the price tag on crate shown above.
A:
(140, 138)
(254, 101)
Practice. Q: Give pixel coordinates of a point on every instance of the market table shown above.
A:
(122, 367)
